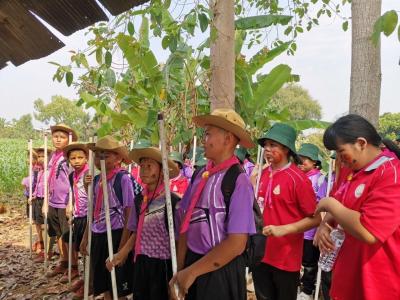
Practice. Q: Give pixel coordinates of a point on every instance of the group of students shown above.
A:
(215, 206)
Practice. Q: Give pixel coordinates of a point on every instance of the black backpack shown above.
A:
(256, 243)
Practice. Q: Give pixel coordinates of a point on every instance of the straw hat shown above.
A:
(65, 128)
(153, 153)
(281, 133)
(108, 143)
(229, 120)
(41, 148)
(75, 146)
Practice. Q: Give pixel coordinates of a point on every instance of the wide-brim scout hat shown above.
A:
(108, 143)
(176, 157)
(137, 154)
(65, 128)
(309, 150)
(41, 148)
(229, 120)
(281, 133)
(75, 146)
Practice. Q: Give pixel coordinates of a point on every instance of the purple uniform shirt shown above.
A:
(39, 189)
(187, 171)
(80, 204)
(116, 209)
(155, 236)
(248, 167)
(25, 183)
(319, 184)
(208, 225)
(59, 182)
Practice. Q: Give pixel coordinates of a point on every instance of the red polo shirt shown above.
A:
(179, 184)
(363, 271)
(292, 198)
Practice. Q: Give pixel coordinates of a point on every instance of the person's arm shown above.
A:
(122, 254)
(83, 246)
(297, 227)
(181, 250)
(219, 256)
(347, 218)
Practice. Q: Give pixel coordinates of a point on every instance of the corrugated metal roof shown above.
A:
(23, 37)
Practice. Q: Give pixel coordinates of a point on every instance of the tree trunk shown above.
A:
(365, 82)
(222, 88)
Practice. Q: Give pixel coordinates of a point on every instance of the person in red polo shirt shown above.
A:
(180, 183)
(289, 205)
(366, 205)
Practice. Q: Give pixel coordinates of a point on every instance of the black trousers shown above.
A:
(310, 264)
(228, 282)
(151, 278)
(271, 283)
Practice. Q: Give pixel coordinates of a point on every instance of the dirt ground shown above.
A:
(20, 277)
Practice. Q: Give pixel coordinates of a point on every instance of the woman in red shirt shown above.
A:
(366, 205)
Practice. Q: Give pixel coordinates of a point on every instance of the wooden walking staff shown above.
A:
(45, 200)
(89, 222)
(30, 194)
(260, 168)
(71, 219)
(108, 223)
(170, 218)
(130, 165)
(194, 150)
(328, 189)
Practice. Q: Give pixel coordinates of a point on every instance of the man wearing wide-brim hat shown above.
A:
(212, 238)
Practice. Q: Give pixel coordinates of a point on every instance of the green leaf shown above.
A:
(108, 59)
(99, 55)
(144, 33)
(105, 129)
(131, 28)
(270, 84)
(390, 20)
(109, 78)
(345, 25)
(203, 22)
(69, 77)
(240, 36)
(262, 21)
(264, 56)
(165, 42)
(301, 125)
(173, 44)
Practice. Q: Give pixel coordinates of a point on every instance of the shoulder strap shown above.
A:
(71, 179)
(138, 204)
(195, 173)
(228, 184)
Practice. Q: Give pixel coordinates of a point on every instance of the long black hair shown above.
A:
(347, 129)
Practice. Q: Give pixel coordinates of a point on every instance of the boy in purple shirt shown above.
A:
(58, 184)
(76, 154)
(114, 154)
(212, 239)
(150, 238)
(311, 165)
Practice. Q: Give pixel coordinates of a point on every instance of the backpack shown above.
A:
(256, 243)
(117, 187)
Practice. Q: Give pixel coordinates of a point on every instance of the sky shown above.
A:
(322, 61)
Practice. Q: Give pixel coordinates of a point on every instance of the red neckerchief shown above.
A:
(210, 170)
(99, 197)
(76, 177)
(147, 196)
(268, 193)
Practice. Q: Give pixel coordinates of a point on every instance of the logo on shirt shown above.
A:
(175, 189)
(277, 190)
(359, 190)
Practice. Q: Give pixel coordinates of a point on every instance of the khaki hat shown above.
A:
(229, 120)
(75, 146)
(108, 143)
(153, 153)
(41, 148)
(65, 128)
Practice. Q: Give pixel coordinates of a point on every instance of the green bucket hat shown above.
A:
(176, 157)
(309, 150)
(281, 133)
(241, 153)
(201, 161)
(333, 155)
(398, 138)
(141, 144)
(199, 153)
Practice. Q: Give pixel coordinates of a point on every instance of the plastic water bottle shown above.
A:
(327, 260)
